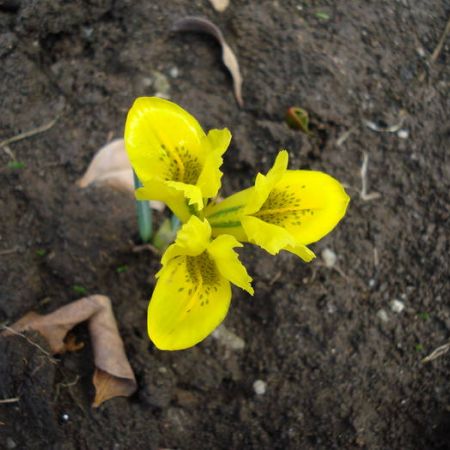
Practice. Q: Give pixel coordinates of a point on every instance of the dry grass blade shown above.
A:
(442, 350)
(389, 129)
(110, 166)
(8, 251)
(113, 376)
(9, 400)
(202, 25)
(29, 133)
(438, 49)
(364, 195)
(16, 332)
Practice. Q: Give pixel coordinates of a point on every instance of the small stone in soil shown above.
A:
(63, 418)
(174, 72)
(10, 444)
(397, 306)
(382, 315)
(161, 84)
(259, 386)
(228, 338)
(329, 257)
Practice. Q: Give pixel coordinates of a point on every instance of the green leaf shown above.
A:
(122, 269)
(322, 15)
(144, 215)
(41, 252)
(16, 165)
(424, 315)
(419, 348)
(165, 235)
(298, 118)
(81, 290)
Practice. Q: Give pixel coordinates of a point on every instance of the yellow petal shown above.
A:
(192, 239)
(271, 238)
(164, 141)
(190, 300)
(265, 183)
(227, 261)
(159, 190)
(192, 193)
(219, 140)
(279, 167)
(301, 251)
(210, 177)
(307, 204)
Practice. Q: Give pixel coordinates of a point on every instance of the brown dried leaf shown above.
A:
(113, 376)
(202, 25)
(111, 166)
(220, 5)
(108, 386)
(71, 344)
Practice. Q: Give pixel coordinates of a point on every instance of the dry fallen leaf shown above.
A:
(220, 5)
(113, 376)
(111, 166)
(202, 25)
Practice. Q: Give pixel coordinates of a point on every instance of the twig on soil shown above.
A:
(364, 195)
(8, 251)
(9, 400)
(442, 350)
(319, 264)
(314, 271)
(275, 278)
(9, 152)
(440, 45)
(65, 385)
(29, 133)
(344, 136)
(143, 247)
(45, 352)
(376, 258)
(390, 129)
(341, 273)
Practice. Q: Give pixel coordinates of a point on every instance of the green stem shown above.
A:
(175, 222)
(144, 215)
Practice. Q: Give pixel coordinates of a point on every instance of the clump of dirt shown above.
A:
(341, 368)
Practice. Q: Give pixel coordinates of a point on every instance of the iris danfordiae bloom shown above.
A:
(172, 156)
(179, 164)
(193, 292)
(285, 210)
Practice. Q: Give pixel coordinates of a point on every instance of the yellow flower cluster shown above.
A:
(179, 164)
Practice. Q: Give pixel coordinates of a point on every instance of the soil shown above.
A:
(339, 373)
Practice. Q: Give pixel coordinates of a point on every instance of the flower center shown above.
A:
(182, 166)
(203, 276)
(283, 207)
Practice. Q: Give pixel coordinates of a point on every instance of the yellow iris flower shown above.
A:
(172, 156)
(192, 294)
(179, 164)
(284, 210)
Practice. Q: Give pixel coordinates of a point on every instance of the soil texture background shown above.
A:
(342, 369)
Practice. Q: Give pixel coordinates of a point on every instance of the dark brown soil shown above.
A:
(338, 376)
